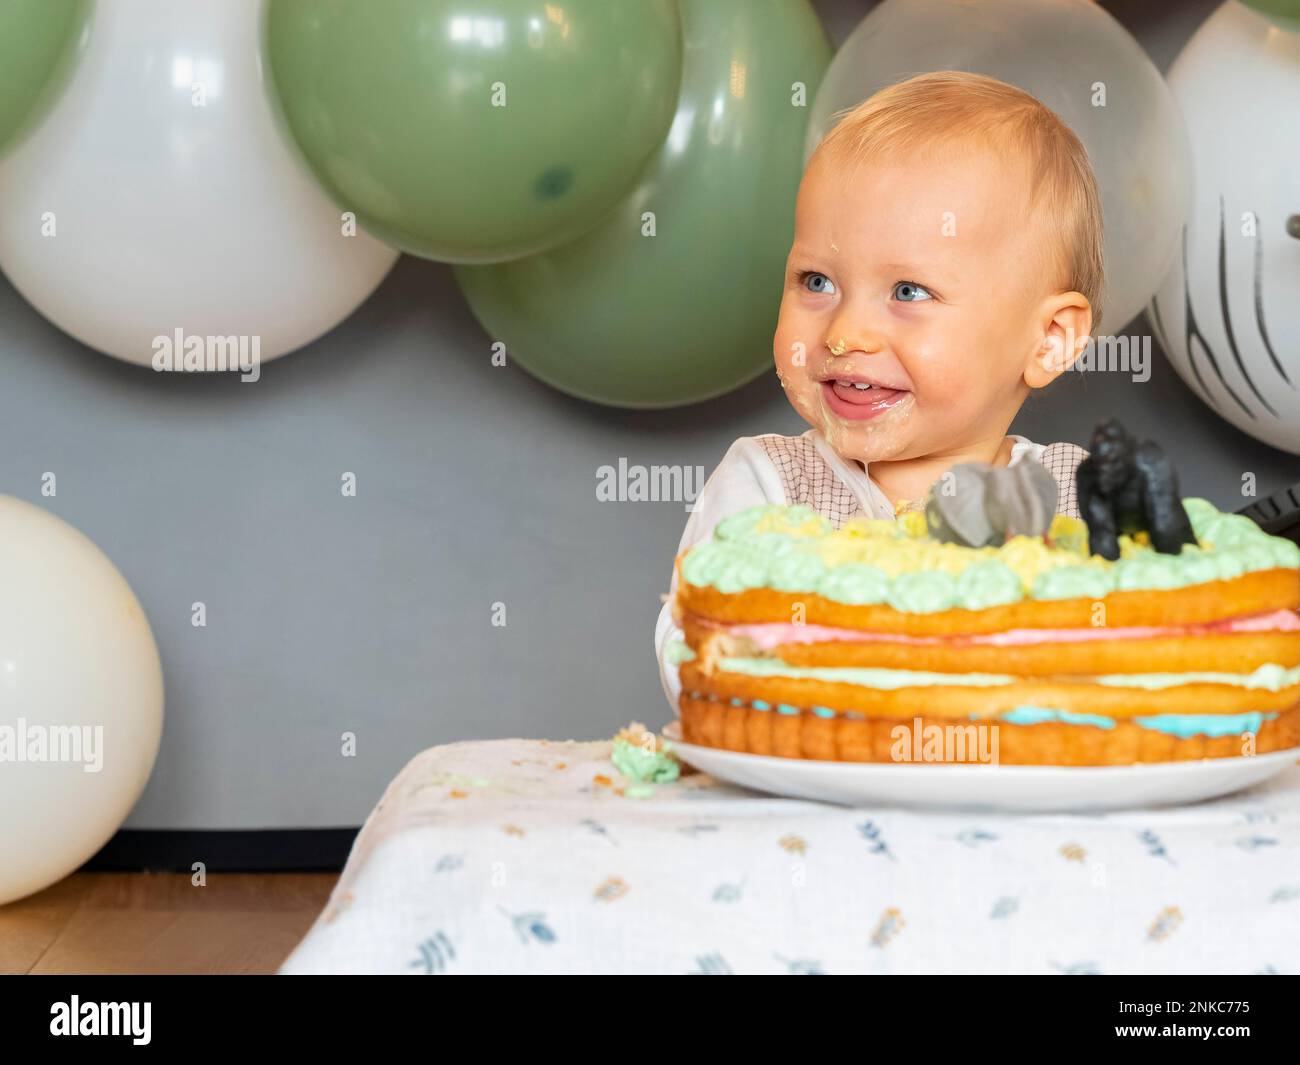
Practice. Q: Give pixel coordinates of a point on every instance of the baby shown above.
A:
(947, 259)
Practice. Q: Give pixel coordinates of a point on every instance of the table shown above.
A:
(526, 856)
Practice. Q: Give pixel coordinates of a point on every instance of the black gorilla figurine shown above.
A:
(1125, 487)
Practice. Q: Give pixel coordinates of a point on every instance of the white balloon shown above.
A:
(160, 195)
(1230, 320)
(81, 699)
(1080, 62)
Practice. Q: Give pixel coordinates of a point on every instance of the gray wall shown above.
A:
(476, 485)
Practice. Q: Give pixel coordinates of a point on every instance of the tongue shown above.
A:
(874, 394)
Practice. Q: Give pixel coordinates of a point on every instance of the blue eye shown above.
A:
(819, 283)
(911, 292)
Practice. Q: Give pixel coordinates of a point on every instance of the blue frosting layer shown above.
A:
(1180, 725)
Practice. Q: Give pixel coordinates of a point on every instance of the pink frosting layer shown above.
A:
(768, 635)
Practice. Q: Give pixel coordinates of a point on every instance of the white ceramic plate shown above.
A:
(1018, 788)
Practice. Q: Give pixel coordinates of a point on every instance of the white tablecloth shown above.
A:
(524, 856)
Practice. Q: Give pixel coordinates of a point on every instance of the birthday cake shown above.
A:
(886, 641)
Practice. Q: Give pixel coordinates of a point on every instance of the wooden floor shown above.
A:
(122, 923)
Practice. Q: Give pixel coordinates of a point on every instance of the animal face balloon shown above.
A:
(1227, 313)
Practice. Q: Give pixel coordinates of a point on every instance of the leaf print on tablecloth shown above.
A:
(973, 837)
(890, 924)
(1254, 817)
(1154, 846)
(711, 965)
(1288, 893)
(1166, 924)
(436, 953)
(793, 844)
(1255, 843)
(870, 831)
(1078, 968)
(530, 926)
(729, 892)
(1004, 907)
(598, 829)
(449, 863)
(612, 888)
(801, 966)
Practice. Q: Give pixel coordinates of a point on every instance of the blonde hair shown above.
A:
(955, 105)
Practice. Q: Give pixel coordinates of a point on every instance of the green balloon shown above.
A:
(38, 48)
(1283, 9)
(475, 131)
(674, 298)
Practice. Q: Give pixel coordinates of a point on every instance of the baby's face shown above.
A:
(925, 278)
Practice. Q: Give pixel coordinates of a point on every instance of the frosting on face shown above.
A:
(869, 560)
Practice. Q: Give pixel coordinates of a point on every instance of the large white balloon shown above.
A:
(81, 699)
(160, 195)
(1228, 313)
(1081, 63)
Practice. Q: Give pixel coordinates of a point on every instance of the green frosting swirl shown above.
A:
(1228, 530)
(1197, 566)
(1286, 553)
(647, 767)
(728, 567)
(923, 593)
(743, 525)
(1148, 571)
(1199, 512)
(855, 583)
(988, 583)
(797, 571)
(1074, 582)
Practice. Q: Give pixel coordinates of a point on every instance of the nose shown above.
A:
(854, 329)
(845, 337)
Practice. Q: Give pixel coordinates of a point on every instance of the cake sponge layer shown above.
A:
(968, 696)
(1256, 592)
(890, 740)
(1238, 652)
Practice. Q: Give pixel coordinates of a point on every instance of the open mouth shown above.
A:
(858, 400)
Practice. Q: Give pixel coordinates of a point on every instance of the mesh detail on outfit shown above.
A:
(1062, 459)
(808, 478)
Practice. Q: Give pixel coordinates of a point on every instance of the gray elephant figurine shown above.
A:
(978, 504)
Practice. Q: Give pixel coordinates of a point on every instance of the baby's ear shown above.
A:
(1066, 329)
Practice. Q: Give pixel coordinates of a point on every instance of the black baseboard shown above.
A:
(296, 850)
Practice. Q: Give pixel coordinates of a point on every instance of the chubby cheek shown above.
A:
(943, 385)
(953, 372)
(794, 353)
